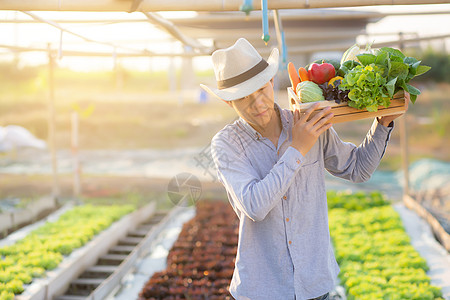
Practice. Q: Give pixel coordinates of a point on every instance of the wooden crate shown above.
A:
(344, 113)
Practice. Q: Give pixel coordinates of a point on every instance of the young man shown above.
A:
(272, 164)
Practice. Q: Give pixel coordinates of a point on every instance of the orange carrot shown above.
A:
(303, 74)
(293, 76)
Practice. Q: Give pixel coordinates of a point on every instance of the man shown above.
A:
(272, 164)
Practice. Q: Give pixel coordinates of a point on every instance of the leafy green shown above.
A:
(398, 70)
(347, 67)
(395, 67)
(367, 87)
(44, 248)
(392, 51)
(373, 250)
(366, 59)
(6, 295)
(422, 69)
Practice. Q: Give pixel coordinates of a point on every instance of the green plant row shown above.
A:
(374, 252)
(44, 248)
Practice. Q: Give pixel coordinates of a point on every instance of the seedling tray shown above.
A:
(344, 113)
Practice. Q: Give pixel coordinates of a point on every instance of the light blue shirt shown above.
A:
(284, 250)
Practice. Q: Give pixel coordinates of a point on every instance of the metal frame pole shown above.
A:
(404, 139)
(51, 122)
(75, 157)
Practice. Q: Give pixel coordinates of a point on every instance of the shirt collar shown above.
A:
(255, 134)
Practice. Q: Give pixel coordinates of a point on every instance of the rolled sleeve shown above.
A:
(382, 132)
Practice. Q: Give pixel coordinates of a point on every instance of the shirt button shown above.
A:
(290, 242)
(278, 152)
(287, 219)
(284, 197)
(298, 161)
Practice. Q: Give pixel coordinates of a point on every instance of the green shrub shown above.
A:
(440, 66)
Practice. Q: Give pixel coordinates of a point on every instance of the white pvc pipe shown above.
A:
(56, 25)
(184, 5)
(169, 27)
(312, 15)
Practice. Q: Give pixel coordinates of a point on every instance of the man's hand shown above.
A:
(386, 120)
(305, 133)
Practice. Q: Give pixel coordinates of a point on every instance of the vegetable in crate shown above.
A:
(303, 74)
(320, 73)
(331, 90)
(336, 64)
(293, 76)
(308, 91)
(335, 81)
(347, 67)
(367, 87)
(398, 69)
(350, 54)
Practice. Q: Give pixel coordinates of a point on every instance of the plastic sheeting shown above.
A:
(13, 137)
(428, 174)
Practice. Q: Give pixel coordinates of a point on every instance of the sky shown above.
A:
(146, 35)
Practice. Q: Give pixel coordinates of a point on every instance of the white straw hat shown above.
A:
(240, 70)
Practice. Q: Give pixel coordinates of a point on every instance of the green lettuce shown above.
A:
(368, 88)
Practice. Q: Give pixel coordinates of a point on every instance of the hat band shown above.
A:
(258, 68)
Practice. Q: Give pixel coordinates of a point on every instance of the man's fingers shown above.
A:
(322, 121)
(319, 115)
(324, 128)
(305, 115)
(296, 114)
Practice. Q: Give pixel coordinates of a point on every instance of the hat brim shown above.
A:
(249, 86)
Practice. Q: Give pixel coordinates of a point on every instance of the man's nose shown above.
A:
(258, 101)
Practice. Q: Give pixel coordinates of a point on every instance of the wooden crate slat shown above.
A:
(344, 113)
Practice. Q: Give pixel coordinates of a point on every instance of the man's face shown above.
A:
(257, 108)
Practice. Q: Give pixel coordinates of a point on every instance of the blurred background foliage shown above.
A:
(440, 66)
